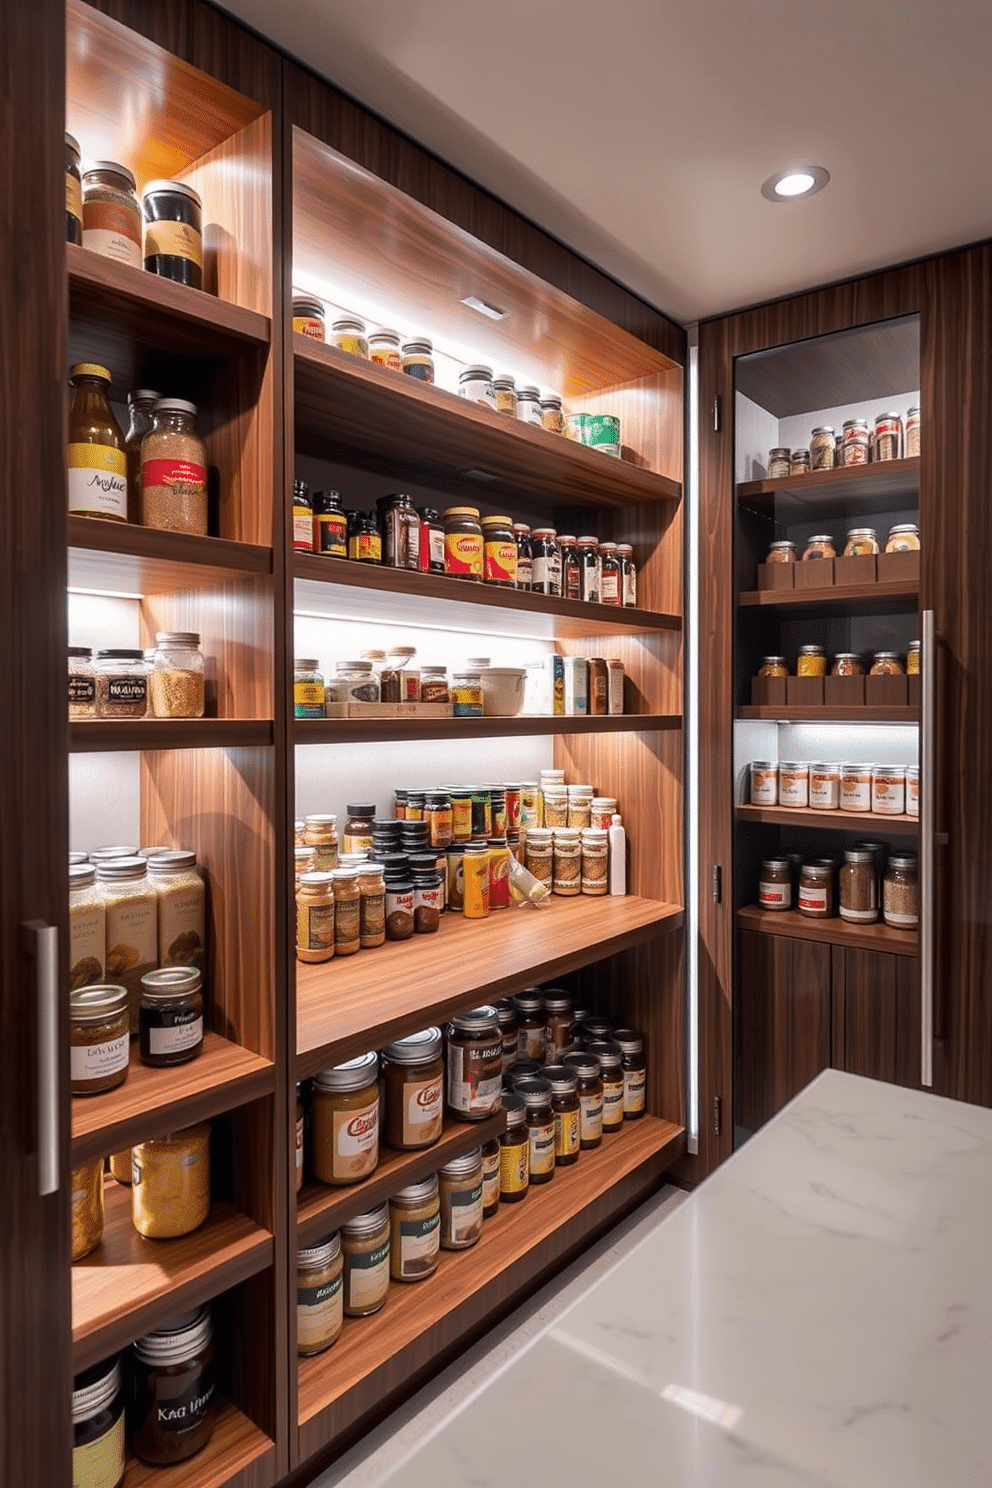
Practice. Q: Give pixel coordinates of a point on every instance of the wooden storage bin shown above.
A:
(804, 692)
(844, 692)
(859, 570)
(768, 692)
(898, 567)
(914, 687)
(886, 692)
(815, 573)
(776, 575)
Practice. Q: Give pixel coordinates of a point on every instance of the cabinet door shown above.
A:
(876, 1016)
(783, 1033)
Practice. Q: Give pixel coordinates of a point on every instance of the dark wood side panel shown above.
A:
(784, 1022)
(876, 1016)
(35, 1357)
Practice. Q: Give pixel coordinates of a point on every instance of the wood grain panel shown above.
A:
(650, 411)
(876, 1016)
(824, 492)
(783, 1022)
(842, 821)
(106, 734)
(795, 926)
(235, 624)
(373, 730)
(120, 558)
(827, 374)
(235, 181)
(794, 713)
(238, 1455)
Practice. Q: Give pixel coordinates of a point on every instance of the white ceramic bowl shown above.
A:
(502, 691)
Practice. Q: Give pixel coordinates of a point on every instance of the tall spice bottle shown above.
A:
(96, 462)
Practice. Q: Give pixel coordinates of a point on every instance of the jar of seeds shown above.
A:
(177, 683)
(174, 470)
(121, 683)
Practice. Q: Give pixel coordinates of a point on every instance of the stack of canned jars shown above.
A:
(886, 790)
(811, 661)
(872, 881)
(890, 437)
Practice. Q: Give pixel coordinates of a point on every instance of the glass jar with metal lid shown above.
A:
(505, 393)
(111, 215)
(521, 533)
(811, 662)
(475, 383)
(177, 681)
(532, 1025)
(73, 192)
(348, 334)
(558, 1015)
(913, 659)
(514, 1152)
(309, 317)
(552, 417)
(546, 573)
(799, 462)
(819, 546)
(628, 571)
(856, 448)
(536, 1093)
(903, 538)
(413, 1073)
(590, 569)
(347, 911)
(319, 1295)
(173, 221)
(499, 552)
(793, 783)
(400, 526)
(590, 1088)
(99, 1040)
(365, 1248)
(330, 525)
(308, 688)
(171, 1016)
(474, 1064)
(320, 832)
(174, 470)
(781, 552)
(314, 918)
(773, 666)
(888, 790)
(170, 1183)
(345, 1121)
(463, 543)
(507, 1015)
(858, 898)
(900, 892)
(886, 440)
(173, 1388)
(824, 785)
(131, 905)
(466, 695)
(384, 348)
(121, 683)
(633, 1062)
(566, 1108)
(821, 448)
(847, 664)
(912, 449)
(460, 1183)
(887, 664)
(816, 890)
(82, 684)
(418, 359)
(372, 905)
(861, 542)
(529, 405)
(779, 462)
(610, 1057)
(775, 884)
(415, 1230)
(98, 1425)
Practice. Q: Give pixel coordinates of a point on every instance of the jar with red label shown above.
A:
(431, 540)
(571, 568)
(611, 576)
(413, 1070)
(463, 543)
(886, 443)
(775, 884)
(174, 470)
(912, 433)
(309, 317)
(816, 890)
(345, 1121)
(475, 1064)
(500, 552)
(111, 214)
(384, 348)
(856, 446)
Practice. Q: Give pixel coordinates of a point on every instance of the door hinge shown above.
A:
(717, 883)
(717, 1114)
(716, 414)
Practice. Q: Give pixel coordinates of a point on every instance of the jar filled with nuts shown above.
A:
(174, 470)
(121, 683)
(177, 675)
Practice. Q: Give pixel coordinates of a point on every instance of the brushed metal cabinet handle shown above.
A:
(928, 723)
(43, 941)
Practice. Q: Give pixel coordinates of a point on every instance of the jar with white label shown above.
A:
(775, 884)
(858, 897)
(345, 1121)
(764, 783)
(111, 214)
(816, 890)
(365, 1248)
(173, 1386)
(855, 787)
(98, 1426)
(475, 1064)
(635, 1071)
(460, 1183)
(171, 1016)
(353, 682)
(610, 1057)
(413, 1072)
(793, 783)
(824, 786)
(535, 1092)
(912, 790)
(415, 1230)
(900, 892)
(476, 384)
(182, 898)
(319, 1295)
(590, 1087)
(98, 1036)
(888, 790)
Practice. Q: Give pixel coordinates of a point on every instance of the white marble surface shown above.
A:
(818, 1312)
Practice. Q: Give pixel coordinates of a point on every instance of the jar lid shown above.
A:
(169, 982)
(607, 1051)
(583, 1063)
(95, 1388)
(553, 399)
(110, 165)
(81, 651)
(561, 1079)
(882, 770)
(824, 766)
(534, 1090)
(818, 869)
(528, 1002)
(783, 545)
(170, 638)
(81, 875)
(349, 323)
(122, 868)
(363, 809)
(860, 769)
(315, 880)
(89, 1004)
(903, 860)
(627, 549)
(504, 380)
(847, 656)
(304, 852)
(548, 532)
(477, 372)
(305, 664)
(352, 1075)
(316, 1257)
(812, 651)
(365, 667)
(887, 655)
(594, 836)
(175, 405)
(824, 429)
(516, 1110)
(775, 864)
(321, 819)
(478, 1020)
(861, 532)
(607, 547)
(384, 334)
(461, 511)
(630, 1040)
(521, 529)
(328, 499)
(415, 1193)
(766, 659)
(308, 303)
(171, 188)
(558, 1002)
(913, 646)
(176, 1340)
(858, 855)
(367, 1223)
(415, 1047)
(72, 144)
(589, 541)
(496, 522)
(121, 653)
(348, 872)
(820, 537)
(89, 369)
(464, 1166)
(855, 423)
(419, 343)
(97, 854)
(170, 860)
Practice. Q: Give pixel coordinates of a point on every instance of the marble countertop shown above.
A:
(818, 1312)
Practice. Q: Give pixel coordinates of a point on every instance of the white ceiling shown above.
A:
(639, 132)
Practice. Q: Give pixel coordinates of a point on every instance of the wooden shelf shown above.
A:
(783, 713)
(385, 1352)
(127, 320)
(128, 1284)
(345, 1007)
(833, 821)
(321, 1209)
(887, 596)
(877, 937)
(119, 557)
(238, 1455)
(154, 1101)
(890, 485)
(357, 410)
(106, 734)
(508, 611)
(372, 730)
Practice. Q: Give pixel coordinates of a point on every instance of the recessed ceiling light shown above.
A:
(492, 312)
(799, 180)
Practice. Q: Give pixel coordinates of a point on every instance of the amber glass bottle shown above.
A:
(96, 463)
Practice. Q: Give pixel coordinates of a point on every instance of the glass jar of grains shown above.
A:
(177, 683)
(858, 887)
(170, 1183)
(174, 470)
(87, 928)
(111, 215)
(821, 448)
(86, 1187)
(900, 892)
(82, 684)
(181, 908)
(122, 675)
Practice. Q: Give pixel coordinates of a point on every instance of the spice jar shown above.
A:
(98, 1424)
(122, 675)
(635, 1071)
(418, 360)
(888, 790)
(773, 666)
(861, 542)
(413, 1072)
(799, 462)
(308, 688)
(329, 535)
(595, 861)
(824, 786)
(521, 533)
(590, 569)
(781, 552)
(173, 218)
(912, 449)
(514, 1152)
(309, 317)
(173, 1388)
(476, 384)
(415, 1230)
(822, 447)
(82, 684)
(913, 659)
(847, 664)
(400, 527)
(476, 881)
(779, 463)
(820, 546)
(181, 908)
(131, 906)
(86, 1188)
(95, 456)
(171, 1016)
(558, 1018)
(365, 1249)
(321, 833)
(529, 406)
(567, 862)
(358, 827)
(764, 783)
(855, 787)
(347, 911)
(431, 540)
(111, 215)
(174, 470)
(399, 907)
(348, 334)
(900, 892)
(170, 1183)
(463, 543)
(372, 906)
(590, 1090)
(793, 783)
(177, 681)
(546, 571)
(490, 1178)
(536, 1094)
(364, 539)
(912, 790)
(499, 552)
(314, 918)
(461, 1194)
(887, 664)
(505, 393)
(552, 418)
(610, 1056)
(319, 1295)
(539, 851)
(611, 574)
(302, 514)
(73, 192)
(353, 682)
(99, 1052)
(775, 884)
(384, 348)
(474, 1064)
(856, 447)
(816, 890)
(628, 573)
(532, 1025)
(345, 1121)
(565, 1107)
(87, 928)
(886, 441)
(811, 662)
(858, 899)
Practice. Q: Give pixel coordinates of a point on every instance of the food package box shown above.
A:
(576, 686)
(768, 692)
(886, 692)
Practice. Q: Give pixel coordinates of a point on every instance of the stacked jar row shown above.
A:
(125, 682)
(888, 790)
(861, 542)
(856, 444)
(169, 1179)
(811, 661)
(872, 880)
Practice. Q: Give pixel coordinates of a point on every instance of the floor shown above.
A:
(380, 1452)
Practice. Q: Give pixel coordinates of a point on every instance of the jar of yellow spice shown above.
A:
(170, 1183)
